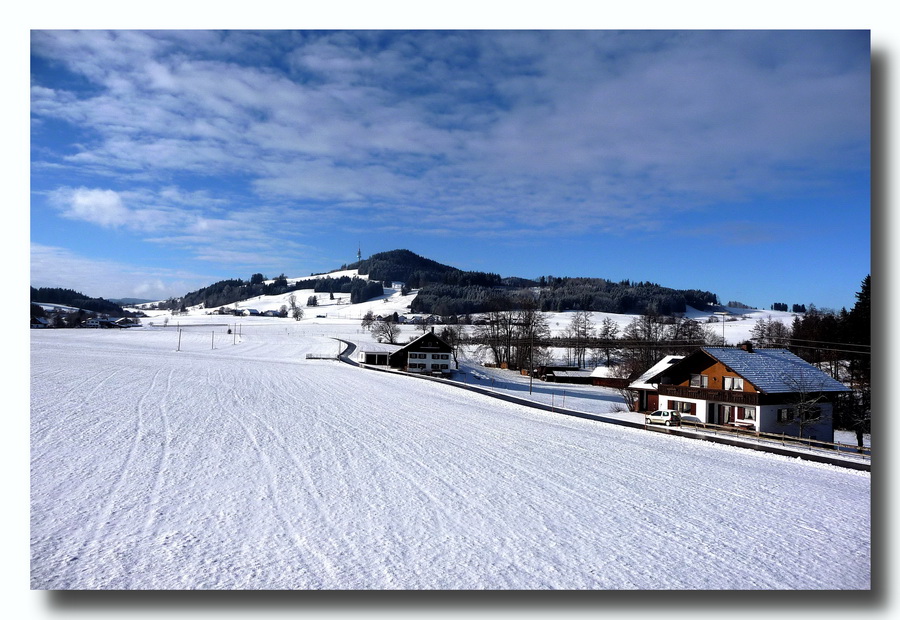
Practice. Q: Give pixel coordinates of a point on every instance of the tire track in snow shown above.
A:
(314, 492)
(104, 515)
(72, 394)
(155, 498)
(298, 539)
(525, 469)
(335, 466)
(442, 509)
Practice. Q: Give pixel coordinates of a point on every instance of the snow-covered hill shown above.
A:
(238, 463)
(735, 328)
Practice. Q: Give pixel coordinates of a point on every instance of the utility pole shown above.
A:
(723, 315)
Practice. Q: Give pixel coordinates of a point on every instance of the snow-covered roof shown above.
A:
(776, 371)
(570, 373)
(601, 371)
(643, 382)
(378, 347)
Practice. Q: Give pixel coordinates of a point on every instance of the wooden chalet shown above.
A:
(765, 390)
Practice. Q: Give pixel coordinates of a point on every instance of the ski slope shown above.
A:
(236, 463)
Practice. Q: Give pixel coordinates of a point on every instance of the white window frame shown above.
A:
(733, 384)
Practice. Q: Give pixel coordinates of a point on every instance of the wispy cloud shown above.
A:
(473, 132)
(53, 266)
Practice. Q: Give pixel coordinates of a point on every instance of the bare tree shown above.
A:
(453, 335)
(770, 332)
(386, 331)
(642, 342)
(496, 335)
(529, 328)
(368, 319)
(609, 331)
(296, 310)
(579, 330)
(625, 371)
(806, 401)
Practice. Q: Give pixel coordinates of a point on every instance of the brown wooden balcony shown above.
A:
(698, 393)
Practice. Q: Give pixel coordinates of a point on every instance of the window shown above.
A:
(733, 383)
(812, 413)
(785, 415)
(680, 406)
(699, 381)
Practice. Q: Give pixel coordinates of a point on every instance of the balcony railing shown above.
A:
(698, 393)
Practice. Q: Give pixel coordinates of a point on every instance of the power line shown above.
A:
(841, 344)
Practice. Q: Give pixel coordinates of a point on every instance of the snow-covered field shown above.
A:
(237, 463)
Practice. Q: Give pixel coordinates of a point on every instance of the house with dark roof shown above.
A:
(767, 390)
(427, 354)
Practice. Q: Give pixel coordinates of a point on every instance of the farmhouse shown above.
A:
(767, 390)
(426, 354)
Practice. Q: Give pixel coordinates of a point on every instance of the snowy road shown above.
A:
(246, 466)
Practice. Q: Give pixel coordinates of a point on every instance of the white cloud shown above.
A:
(97, 206)
(517, 122)
(60, 267)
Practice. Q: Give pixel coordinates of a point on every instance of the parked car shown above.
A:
(668, 417)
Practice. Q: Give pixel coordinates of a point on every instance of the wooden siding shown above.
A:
(716, 371)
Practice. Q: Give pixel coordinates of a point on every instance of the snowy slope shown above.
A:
(238, 463)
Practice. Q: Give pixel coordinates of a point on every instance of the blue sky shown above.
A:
(731, 161)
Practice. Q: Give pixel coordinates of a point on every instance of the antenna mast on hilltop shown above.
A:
(359, 253)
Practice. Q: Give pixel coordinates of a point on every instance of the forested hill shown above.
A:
(417, 272)
(68, 297)
(446, 290)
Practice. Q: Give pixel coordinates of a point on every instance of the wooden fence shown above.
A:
(781, 438)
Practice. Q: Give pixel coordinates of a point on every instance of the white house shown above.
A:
(426, 354)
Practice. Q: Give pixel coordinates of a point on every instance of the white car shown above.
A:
(668, 417)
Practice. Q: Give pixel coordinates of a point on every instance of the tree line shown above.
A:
(561, 295)
(234, 290)
(74, 299)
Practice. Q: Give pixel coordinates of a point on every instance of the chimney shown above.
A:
(747, 346)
